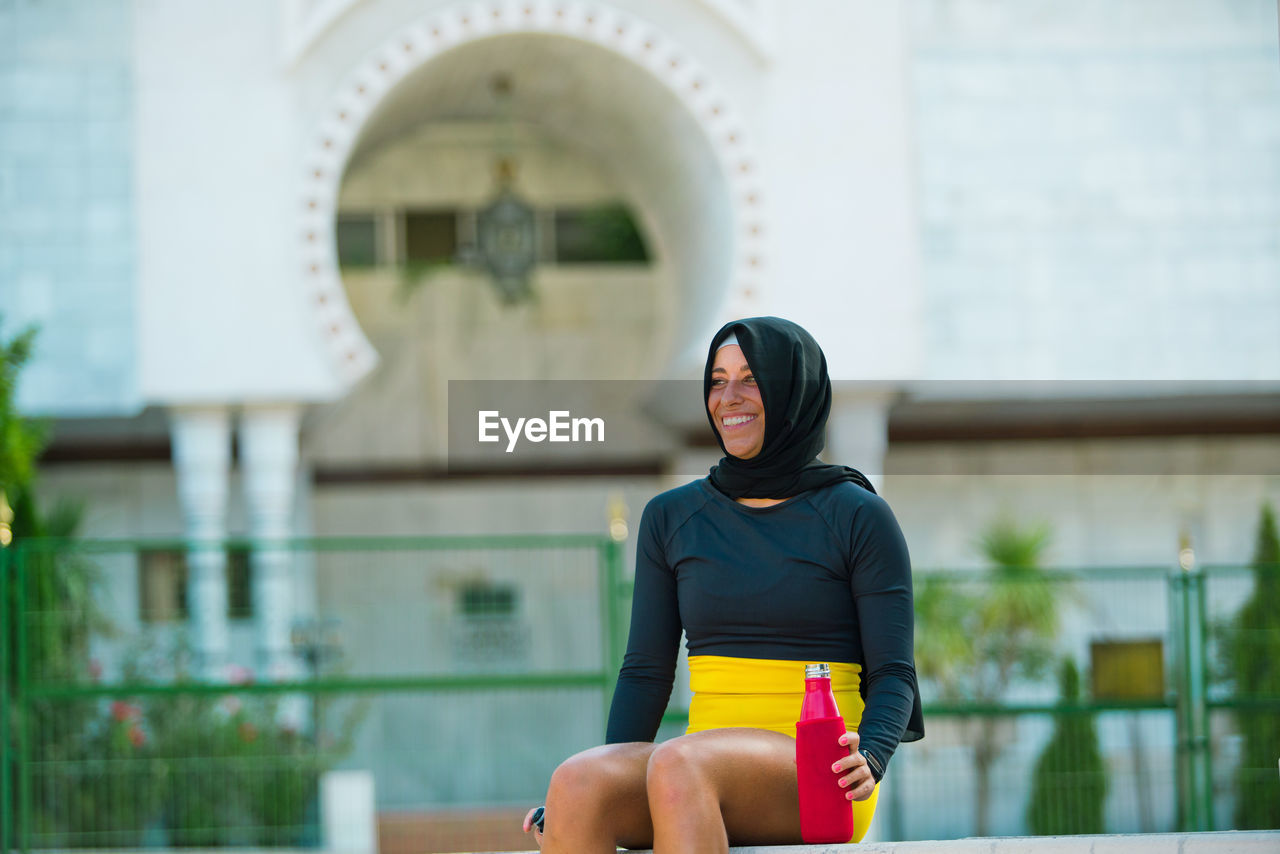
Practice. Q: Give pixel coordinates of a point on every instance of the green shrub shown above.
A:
(1069, 784)
(236, 774)
(1253, 661)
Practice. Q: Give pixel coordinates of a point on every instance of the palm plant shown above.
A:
(974, 640)
(21, 439)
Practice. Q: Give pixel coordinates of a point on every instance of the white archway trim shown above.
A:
(752, 21)
(619, 32)
(306, 21)
(303, 22)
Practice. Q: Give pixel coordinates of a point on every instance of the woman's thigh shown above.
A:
(752, 773)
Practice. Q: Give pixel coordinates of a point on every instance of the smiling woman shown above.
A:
(737, 412)
(773, 561)
(783, 369)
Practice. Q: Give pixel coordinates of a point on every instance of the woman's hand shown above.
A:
(857, 780)
(529, 825)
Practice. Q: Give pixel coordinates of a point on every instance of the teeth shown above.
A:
(737, 419)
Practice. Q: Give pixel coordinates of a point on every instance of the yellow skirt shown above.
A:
(766, 694)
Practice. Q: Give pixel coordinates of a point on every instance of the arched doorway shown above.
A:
(596, 82)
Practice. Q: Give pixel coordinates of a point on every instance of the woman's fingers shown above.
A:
(857, 768)
(846, 763)
(862, 787)
(529, 825)
(857, 780)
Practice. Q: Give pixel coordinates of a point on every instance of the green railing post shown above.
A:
(1194, 780)
(23, 824)
(606, 631)
(1202, 755)
(6, 795)
(1178, 647)
(610, 576)
(618, 618)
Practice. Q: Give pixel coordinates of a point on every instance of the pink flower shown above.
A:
(95, 669)
(239, 675)
(136, 736)
(123, 711)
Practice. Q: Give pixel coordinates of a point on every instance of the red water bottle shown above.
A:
(825, 813)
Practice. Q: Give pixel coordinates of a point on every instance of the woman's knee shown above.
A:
(594, 777)
(602, 791)
(675, 774)
(579, 780)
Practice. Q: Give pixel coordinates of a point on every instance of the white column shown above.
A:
(348, 813)
(202, 460)
(269, 465)
(858, 430)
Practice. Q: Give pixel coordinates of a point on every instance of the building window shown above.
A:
(481, 599)
(488, 633)
(357, 236)
(162, 585)
(605, 234)
(1127, 669)
(600, 234)
(430, 236)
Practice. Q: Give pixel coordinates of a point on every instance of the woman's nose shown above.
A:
(733, 390)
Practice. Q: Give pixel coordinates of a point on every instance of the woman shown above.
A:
(771, 561)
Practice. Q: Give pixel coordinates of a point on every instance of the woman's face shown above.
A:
(735, 404)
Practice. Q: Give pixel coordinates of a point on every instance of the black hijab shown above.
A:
(791, 373)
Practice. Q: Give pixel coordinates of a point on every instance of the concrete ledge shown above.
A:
(1227, 842)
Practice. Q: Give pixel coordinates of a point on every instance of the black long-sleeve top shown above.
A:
(823, 576)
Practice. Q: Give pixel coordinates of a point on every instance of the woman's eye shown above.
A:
(750, 380)
(716, 383)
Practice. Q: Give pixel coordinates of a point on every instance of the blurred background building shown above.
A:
(1038, 242)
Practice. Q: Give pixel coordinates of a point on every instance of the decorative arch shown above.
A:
(622, 33)
(308, 20)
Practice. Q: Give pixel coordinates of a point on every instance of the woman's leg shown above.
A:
(721, 786)
(596, 801)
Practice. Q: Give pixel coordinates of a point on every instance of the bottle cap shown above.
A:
(812, 671)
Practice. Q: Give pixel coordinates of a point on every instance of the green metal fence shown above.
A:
(1165, 749)
(459, 671)
(460, 656)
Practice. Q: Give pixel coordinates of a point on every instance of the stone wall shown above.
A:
(1099, 185)
(67, 259)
